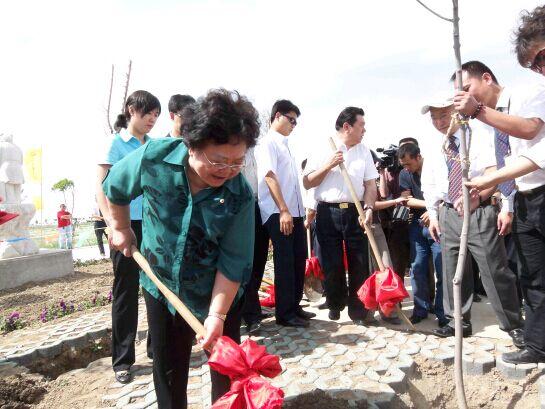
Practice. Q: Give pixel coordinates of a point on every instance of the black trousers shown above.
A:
(333, 225)
(171, 340)
(251, 311)
(99, 233)
(289, 255)
(529, 237)
(125, 305)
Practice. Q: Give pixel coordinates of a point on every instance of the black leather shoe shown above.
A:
(266, 315)
(517, 335)
(334, 315)
(306, 315)
(524, 356)
(253, 327)
(448, 331)
(123, 377)
(442, 323)
(294, 322)
(323, 306)
(477, 298)
(415, 319)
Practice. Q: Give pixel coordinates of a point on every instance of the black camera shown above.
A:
(389, 159)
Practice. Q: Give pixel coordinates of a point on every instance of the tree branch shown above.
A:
(433, 12)
(110, 101)
(126, 86)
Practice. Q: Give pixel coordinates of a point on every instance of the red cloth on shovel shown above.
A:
(312, 268)
(244, 364)
(6, 217)
(268, 301)
(382, 290)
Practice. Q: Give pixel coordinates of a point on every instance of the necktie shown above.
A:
(454, 170)
(502, 149)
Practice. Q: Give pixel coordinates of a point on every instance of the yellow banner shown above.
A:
(33, 165)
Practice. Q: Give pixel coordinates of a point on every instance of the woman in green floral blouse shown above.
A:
(198, 226)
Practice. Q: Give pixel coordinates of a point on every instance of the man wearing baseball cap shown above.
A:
(442, 189)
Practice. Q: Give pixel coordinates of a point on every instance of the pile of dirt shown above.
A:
(20, 391)
(319, 399)
(432, 385)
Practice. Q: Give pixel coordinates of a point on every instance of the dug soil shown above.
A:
(432, 386)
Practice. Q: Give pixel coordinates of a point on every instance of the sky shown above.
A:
(389, 57)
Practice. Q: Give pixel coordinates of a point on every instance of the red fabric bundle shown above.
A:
(312, 267)
(382, 290)
(244, 364)
(268, 301)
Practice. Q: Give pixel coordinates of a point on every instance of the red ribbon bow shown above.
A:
(384, 290)
(244, 364)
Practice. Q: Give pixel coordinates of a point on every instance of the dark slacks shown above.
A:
(333, 225)
(171, 340)
(100, 232)
(251, 311)
(289, 255)
(397, 236)
(125, 304)
(488, 250)
(529, 238)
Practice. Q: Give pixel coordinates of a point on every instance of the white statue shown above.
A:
(14, 235)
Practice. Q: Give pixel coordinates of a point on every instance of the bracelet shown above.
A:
(477, 111)
(217, 315)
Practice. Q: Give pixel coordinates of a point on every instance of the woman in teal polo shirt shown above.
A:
(198, 224)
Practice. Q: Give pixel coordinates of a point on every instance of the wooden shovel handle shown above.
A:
(172, 298)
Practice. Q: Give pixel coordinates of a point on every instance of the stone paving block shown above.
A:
(395, 378)
(514, 371)
(78, 341)
(405, 363)
(478, 363)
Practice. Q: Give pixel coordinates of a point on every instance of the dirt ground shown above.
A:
(31, 298)
(432, 386)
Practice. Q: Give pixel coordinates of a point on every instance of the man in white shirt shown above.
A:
(525, 125)
(337, 216)
(282, 211)
(441, 186)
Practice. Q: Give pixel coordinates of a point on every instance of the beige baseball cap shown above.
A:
(440, 103)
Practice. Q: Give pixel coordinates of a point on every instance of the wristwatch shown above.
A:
(368, 207)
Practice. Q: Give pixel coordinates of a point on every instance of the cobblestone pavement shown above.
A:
(347, 361)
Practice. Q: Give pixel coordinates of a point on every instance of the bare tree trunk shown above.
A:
(110, 101)
(128, 76)
(458, 277)
(464, 162)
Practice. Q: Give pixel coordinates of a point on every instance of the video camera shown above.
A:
(389, 159)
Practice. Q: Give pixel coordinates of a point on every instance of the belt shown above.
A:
(535, 191)
(342, 205)
(484, 203)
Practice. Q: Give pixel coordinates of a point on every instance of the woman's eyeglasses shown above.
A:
(224, 166)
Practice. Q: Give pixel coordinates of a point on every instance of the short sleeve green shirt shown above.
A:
(185, 238)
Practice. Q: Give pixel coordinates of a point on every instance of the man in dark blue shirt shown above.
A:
(422, 244)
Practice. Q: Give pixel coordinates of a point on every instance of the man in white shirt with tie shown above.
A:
(442, 188)
(525, 125)
(282, 212)
(337, 216)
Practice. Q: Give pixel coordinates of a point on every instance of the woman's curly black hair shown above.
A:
(220, 117)
(530, 31)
